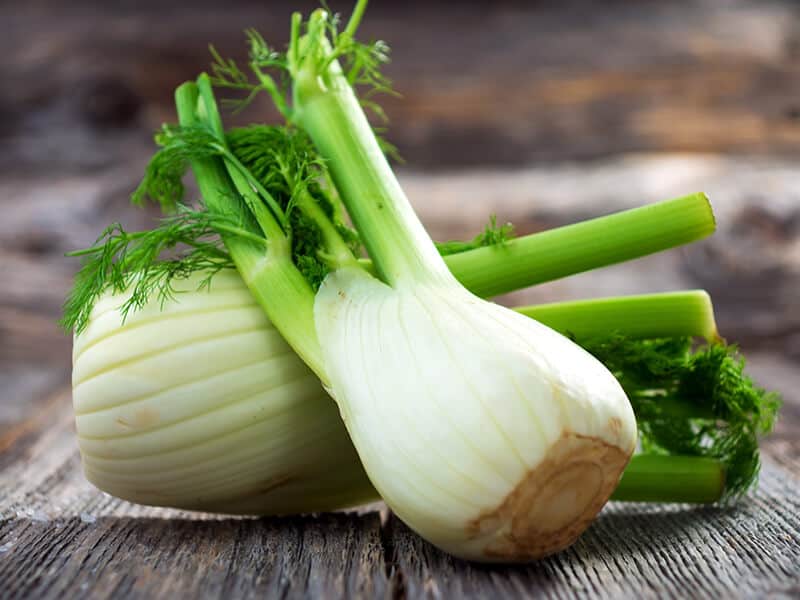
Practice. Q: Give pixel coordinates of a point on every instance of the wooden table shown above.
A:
(657, 95)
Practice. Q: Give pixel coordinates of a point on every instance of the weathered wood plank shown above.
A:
(332, 556)
(59, 537)
(751, 550)
(24, 389)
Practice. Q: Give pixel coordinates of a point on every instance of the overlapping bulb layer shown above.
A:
(199, 403)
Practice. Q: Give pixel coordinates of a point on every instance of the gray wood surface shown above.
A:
(60, 538)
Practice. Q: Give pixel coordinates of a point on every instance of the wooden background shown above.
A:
(542, 112)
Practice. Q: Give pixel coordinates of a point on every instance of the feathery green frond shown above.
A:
(284, 161)
(162, 182)
(492, 235)
(281, 158)
(282, 168)
(271, 71)
(225, 73)
(361, 62)
(163, 176)
(693, 402)
(147, 262)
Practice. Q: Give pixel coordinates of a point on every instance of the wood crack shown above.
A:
(391, 568)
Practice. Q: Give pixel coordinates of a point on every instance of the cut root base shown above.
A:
(554, 503)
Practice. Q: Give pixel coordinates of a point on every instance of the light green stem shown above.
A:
(271, 220)
(355, 17)
(682, 479)
(583, 246)
(328, 110)
(278, 286)
(531, 259)
(671, 314)
(338, 254)
(682, 409)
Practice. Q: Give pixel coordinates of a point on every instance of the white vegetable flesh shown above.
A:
(491, 435)
(201, 404)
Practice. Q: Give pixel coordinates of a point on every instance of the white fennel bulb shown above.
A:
(491, 435)
(199, 403)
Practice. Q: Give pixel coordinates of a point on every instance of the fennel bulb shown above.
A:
(281, 447)
(199, 403)
(490, 434)
(124, 453)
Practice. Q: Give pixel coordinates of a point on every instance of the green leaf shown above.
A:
(147, 262)
(492, 235)
(693, 402)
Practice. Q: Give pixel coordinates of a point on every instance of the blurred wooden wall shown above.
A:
(481, 83)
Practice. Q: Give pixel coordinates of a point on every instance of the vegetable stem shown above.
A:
(523, 261)
(671, 314)
(584, 246)
(679, 409)
(272, 220)
(338, 254)
(275, 282)
(661, 478)
(355, 17)
(327, 108)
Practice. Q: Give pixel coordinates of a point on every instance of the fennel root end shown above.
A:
(554, 502)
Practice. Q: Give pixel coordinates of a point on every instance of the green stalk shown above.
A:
(678, 410)
(540, 257)
(649, 316)
(684, 479)
(271, 220)
(355, 18)
(671, 314)
(337, 253)
(584, 246)
(328, 110)
(278, 286)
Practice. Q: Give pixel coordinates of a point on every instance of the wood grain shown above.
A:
(747, 551)
(59, 537)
